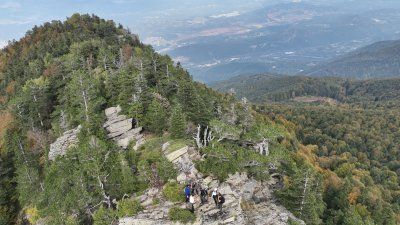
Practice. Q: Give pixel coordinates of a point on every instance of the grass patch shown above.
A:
(154, 143)
(182, 215)
(178, 144)
(174, 192)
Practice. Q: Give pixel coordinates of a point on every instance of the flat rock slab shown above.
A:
(120, 127)
(229, 220)
(112, 111)
(176, 154)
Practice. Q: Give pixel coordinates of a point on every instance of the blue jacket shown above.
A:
(187, 190)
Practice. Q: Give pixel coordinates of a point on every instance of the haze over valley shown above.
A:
(285, 37)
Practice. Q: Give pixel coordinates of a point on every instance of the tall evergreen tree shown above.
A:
(156, 117)
(177, 122)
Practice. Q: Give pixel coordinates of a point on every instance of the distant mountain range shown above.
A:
(285, 38)
(380, 59)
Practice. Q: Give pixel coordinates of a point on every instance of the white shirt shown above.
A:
(214, 193)
(191, 199)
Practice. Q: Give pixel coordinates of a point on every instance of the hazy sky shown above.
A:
(18, 16)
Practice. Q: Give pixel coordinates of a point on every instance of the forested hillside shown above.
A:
(274, 88)
(57, 82)
(357, 150)
(356, 140)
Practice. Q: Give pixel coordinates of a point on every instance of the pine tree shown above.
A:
(177, 122)
(303, 195)
(156, 117)
(83, 99)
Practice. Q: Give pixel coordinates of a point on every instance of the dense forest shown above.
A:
(355, 138)
(357, 150)
(274, 88)
(63, 75)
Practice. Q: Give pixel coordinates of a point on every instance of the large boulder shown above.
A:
(61, 145)
(120, 128)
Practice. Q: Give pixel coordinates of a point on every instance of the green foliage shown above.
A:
(104, 216)
(192, 103)
(64, 74)
(177, 123)
(174, 192)
(155, 201)
(128, 207)
(182, 215)
(359, 146)
(8, 195)
(155, 168)
(156, 117)
(302, 195)
(178, 144)
(224, 159)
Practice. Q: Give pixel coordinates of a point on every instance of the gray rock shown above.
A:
(247, 201)
(176, 154)
(112, 111)
(120, 129)
(165, 146)
(61, 145)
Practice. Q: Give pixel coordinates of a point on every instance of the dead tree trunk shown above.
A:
(84, 97)
(304, 195)
(197, 138)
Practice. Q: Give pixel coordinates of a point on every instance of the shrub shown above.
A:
(174, 192)
(103, 216)
(128, 207)
(155, 201)
(181, 215)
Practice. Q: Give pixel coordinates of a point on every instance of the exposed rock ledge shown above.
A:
(248, 201)
(61, 145)
(121, 130)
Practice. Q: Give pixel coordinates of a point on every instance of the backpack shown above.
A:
(222, 199)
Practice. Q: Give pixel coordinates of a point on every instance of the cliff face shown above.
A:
(247, 201)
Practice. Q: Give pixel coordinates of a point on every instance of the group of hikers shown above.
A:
(193, 189)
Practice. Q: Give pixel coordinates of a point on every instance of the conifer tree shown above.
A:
(156, 117)
(177, 122)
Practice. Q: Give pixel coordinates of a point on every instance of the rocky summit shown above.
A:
(247, 201)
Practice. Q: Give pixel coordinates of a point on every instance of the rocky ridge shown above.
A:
(248, 201)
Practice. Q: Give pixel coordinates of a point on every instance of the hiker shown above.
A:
(134, 123)
(191, 202)
(203, 195)
(187, 192)
(221, 201)
(194, 188)
(214, 195)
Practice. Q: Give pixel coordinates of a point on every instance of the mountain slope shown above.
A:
(72, 157)
(377, 60)
(355, 137)
(264, 88)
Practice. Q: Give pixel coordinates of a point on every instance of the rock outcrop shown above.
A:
(247, 201)
(120, 129)
(61, 145)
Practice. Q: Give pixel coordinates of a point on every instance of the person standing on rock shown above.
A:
(214, 195)
(187, 191)
(203, 195)
(191, 202)
(221, 201)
